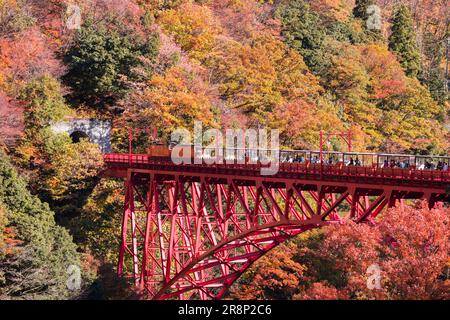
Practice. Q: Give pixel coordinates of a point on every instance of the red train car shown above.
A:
(159, 151)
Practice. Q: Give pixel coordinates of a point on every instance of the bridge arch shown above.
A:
(218, 260)
(190, 231)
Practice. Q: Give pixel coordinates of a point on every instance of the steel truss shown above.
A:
(192, 237)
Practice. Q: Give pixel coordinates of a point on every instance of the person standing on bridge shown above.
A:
(392, 164)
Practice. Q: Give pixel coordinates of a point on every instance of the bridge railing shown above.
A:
(138, 160)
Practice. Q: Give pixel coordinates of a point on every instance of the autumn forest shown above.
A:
(299, 66)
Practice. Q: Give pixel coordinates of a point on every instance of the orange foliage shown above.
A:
(429, 15)
(11, 119)
(278, 273)
(340, 10)
(409, 245)
(194, 28)
(301, 121)
(319, 291)
(8, 241)
(173, 100)
(386, 73)
(52, 15)
(263, 78)
(25, 57)
(244, 19)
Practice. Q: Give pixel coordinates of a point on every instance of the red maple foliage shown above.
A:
(11, 119)
(409, 248)
(27, 56)
(277, 278)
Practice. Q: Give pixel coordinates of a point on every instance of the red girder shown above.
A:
(189, 232)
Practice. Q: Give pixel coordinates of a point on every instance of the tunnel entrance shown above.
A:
(76, 136)
(96, 131)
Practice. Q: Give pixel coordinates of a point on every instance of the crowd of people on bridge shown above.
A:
(396, 164)
(356, 162)
(427, 165)
(330, 161)
(316, 160)
(441, 166)
(296, 159)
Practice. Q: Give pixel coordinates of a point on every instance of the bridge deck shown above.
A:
(118, 164)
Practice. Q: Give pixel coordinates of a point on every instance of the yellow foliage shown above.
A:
(26, 152)
(340, 10)
(73, 168)
(193, 27)
(175, 99)
(262, 77)
(2, 227)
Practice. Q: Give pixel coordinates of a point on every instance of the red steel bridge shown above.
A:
(189, 231)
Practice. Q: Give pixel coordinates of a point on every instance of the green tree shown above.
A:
(301, 29)
(73, 175)
(14, 17)
(37, 267)
(101, 61)
(44, 105)
(436, 82)
(96, 226)
(2, 226)
(346, 32)
(403, 41)
(433, 70)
